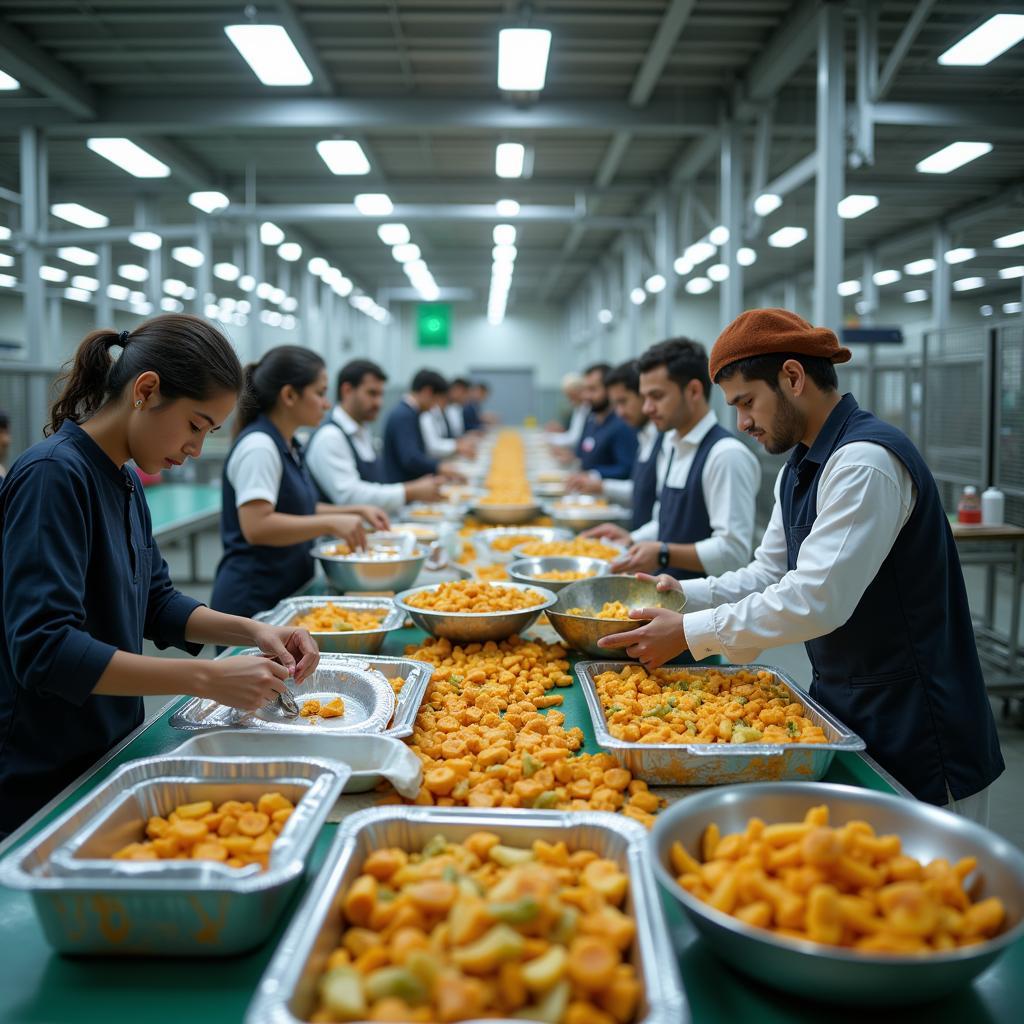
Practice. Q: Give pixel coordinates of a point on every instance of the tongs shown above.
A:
(286, 702)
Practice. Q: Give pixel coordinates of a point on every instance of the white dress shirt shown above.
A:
(432, 424)
(730, 480)
(620, 492)
(453, 414)
(865, 497)
(333, 466)
(571, 437)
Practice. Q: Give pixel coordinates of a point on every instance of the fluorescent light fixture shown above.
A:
(504, 234)
(406, 253)
(504, 253)
(373, 204)
(132, 272)
(637, 296)
(288, 322)
(277, 296)
(968, 284)
(506, 208)
(169, 305)
(853, 205)
(226, 271)
(264, 290)
(76, 213)
(89, 284)
(955, 155)
(8, 280)
(699, 285)
(118, 292)
(317, 265)
(8, 81)
(1010, 241)
(244, 307)
(509, 159)
(986, 310)
(290, 252)
(414, 267)
(925, 266)
(175, 287)
(270, 233)
(699, 252)
(915, 295)
(767, 202)
(745, 256)
(189, 293)
(290, 304)
(393, 234)
(884, 277)
(1009, 273)
(654, 284)
(604, 316)
(718, 235)
(209, 202)
(342, 286)
(129, 157)
(961, 255)
(247, 282)
(212, 311)
(786, 238)
(5, 232)
(1013, 307)
(718, 271)
(6, 259)
(270, 52)
(78, 294)
(523, 58)
(188, 255)
(53, 274)
(148, 240)
(682, 266)
(343, 156)
(847, 288)
(76, 254)
(991, 38)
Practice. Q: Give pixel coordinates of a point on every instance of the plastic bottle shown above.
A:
(993, 507)
(969, 508)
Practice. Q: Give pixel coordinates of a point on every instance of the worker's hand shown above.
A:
(349, 528)
(584, 483)
(451, 476)
(427, 488)
(663, 582)
(375, 516)
(466, 447)
(246, 683)
(642, 557)
(609, 531)
(658, 641)
(289, 646)
(563, 455)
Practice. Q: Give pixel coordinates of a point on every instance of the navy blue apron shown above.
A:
(254, 577)
(645, 486)
(903, 670)
(370, 470)
(683, 516)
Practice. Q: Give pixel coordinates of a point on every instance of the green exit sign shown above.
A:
(433, 325)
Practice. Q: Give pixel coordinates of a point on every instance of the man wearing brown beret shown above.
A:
(858, 563)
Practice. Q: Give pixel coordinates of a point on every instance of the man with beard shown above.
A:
(607, 446)
(858, 562)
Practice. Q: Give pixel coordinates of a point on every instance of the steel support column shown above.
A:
(631, 279)
(203, 278)
(145, 216)
(34, 211)
(940, 278)
(730, 199)
(664, 257)
(105, 276)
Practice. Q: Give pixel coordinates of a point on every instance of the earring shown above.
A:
(138, 404)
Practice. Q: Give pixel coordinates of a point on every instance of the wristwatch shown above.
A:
(663, 556)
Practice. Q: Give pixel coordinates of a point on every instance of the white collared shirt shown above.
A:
(865, 497)
(620, 492)
(333, 466)
(432, 423)
(571, 437)
(730, 479)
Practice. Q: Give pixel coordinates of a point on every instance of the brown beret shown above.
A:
(760, 332)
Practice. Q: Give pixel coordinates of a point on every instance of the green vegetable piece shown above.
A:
(456, 679)
(396, 982)
(501, 943)
(545, 971)
(384, 894)
(340, 627)
(551, 1009)
(565, 927)
(741, 700)
(520, 911)
(342, 991)
(436, 845)
(691, 726)
(659, 712)
(791, 727)
(613, 709)
(530, 766)
(450, 874)
(546, 801)
(672, 701)
(509, 856)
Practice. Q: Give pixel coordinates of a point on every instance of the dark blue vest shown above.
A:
(645, 486)
(903, 670)
(370, 470)
(405, 454)
(254, 577)
(683, 516)
(471, 417)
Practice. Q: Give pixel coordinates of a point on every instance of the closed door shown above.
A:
(513, 394)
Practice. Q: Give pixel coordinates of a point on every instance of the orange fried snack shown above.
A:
(563, 575)
(475, 596)
(333, 618)
(578, 547)
(609, 610)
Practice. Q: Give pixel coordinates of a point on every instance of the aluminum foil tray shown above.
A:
(169, 908)
(287, 990)
(349, 641)
(716, 764)
(368, 696)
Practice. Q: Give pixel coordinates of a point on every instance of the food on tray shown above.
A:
(551, 477)
(609, 610)
(491, 573)
(422, 532)
(484, 742)
(578, 547)
(474, 596)
(564, 575)
(374, 553)
(506, 482)
(842, 886)
(508, 541)
(236, 832)
(335, 618)
(676, 706)
(317, 709)
(483, 929)
(432, 510)
(580, 503)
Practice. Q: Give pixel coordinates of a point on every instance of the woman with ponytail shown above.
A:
(82, 580)
(270, 514)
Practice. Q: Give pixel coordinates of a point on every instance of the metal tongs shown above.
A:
(286, 702)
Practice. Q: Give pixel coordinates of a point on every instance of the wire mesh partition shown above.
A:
(1008, 435)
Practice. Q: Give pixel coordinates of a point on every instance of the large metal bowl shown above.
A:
(351, 574)
(815, 971)
(583, 631)
(483, 540)
(474, 627)
(527, 570)
(505, 515)
(579, 516)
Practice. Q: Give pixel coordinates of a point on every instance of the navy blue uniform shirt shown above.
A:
(608, 447)
(81, 579)
(405, 453)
